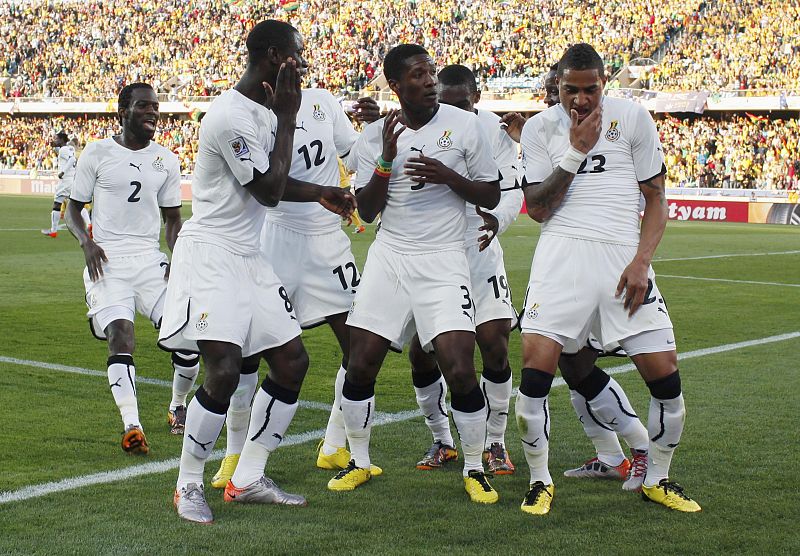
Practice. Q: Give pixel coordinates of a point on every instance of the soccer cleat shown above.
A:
(176, 418)
(225, 471)
(497, 460)
(637, 471)
(263, 491)
(50, 233)
(596, 469)
(339, 460)
(349, 478)
(436, 456)
(670, 495)
(477, 486)
(538, 499)
(134, 441)
(191, 504)
(359, 229)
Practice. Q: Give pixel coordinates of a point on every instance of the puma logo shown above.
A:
(532, 444)
(613, 422)
(415, 149)
(301, 126)
(135, 166)
(661, 309)
(117, 383)
(248, 159)
(201, 444)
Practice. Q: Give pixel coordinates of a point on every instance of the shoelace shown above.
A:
(638, 466)
(533, 494)
(350, 466)
(497, 452)
(482, 480)
(194, 495)
(674, 487)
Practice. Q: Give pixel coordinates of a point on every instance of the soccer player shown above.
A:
(413, 166)
(494, 314)
(67, 160)
(585, 163)
(224, 298)
(130, 179)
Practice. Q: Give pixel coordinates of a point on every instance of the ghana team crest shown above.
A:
(202, 324)
(613, 132)
(158, 165)
(318, 114)
(533, 312)
(445, 142)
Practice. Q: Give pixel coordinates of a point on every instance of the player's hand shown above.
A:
(285, 99)
(584, 135)
(339, 201)
(366, 110)
(391, 132)
(490, 226)
(167, 267)
(424, 169)
(513, 123)
(95, 257)
(634, 283)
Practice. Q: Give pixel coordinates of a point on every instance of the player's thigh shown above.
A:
(150, 285)
(111, 297)
(490, 289)
(653, 352)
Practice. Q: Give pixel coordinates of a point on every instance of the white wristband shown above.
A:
(572, 160)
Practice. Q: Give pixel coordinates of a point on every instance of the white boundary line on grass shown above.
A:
(726, 256)
(106, 477)
(729, 280)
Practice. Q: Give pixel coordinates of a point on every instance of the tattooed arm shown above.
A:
(541, 199)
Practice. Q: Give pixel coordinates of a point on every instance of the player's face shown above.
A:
(580, 90)
(141, 117)
(57, 142)
(417, 87)
(458, 96)
(295, 51)
(550, 89)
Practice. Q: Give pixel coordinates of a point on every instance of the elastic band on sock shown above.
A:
(593, 384)
(123, 359)
(210, 403)
(185, 359)
(667, 388)
(498, 377)
(422, 379)
(535, 383)
(468, 403)
(249, 368)
(279, 392)
(356, 393)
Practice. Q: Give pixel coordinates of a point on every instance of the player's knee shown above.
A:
(421, 362)
(462, 379)
(120, 338)
(495, 354)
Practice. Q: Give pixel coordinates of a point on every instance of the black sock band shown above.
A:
(279, 392)
(185, 360)
(357, 393)
(535, 383)
(209, 403)
(498, 377)
(421, 379)
(667, 388)
(249, 368)
(120, 359)
(468, 403)
(593, 384)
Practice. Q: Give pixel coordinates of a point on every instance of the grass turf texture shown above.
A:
(738, 442)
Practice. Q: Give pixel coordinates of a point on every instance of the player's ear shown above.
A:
(476, 97)
(393, 85)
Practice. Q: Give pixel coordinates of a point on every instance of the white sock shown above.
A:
(498, 398)
(605, 440)
(55, 216)
(202, 430)
(122, 380)
(665, 426)
(533, 420)
(185, 367)
(614, 410)
(431, 401)
(269, 420)
(358, 417)
(85, 215)
(471, 429)
(239, 413)
(335, 435)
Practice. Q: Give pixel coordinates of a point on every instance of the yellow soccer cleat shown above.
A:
(477, 486)
(225, 472)
(538, 499)
(339, 460)
(670, 495)
(349, 478)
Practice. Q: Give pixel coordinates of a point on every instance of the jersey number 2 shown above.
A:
(137, 186)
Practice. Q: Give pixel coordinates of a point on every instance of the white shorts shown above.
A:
(128, 285)
(571, 294)
(401, 294)
(490, 289)
(318, 271)
(63, 189)
(214, 294)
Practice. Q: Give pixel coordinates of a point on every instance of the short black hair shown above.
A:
(456, 74)
(553, 67)
(124, 99)
(395, 61)
(267, 34)
(581, 56)
(63, 136)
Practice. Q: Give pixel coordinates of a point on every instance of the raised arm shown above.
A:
(372, 197)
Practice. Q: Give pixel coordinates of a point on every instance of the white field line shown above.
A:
(729, 280)
(726, 256)
(105, 477)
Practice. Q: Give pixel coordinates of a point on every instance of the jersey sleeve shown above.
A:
(169, 196)
(366, 154)
(536, 163)
(344, 134)
(66, 158)
(505, 151)
(480, 161)
(648, 156)
(85, 177)
(241, 148)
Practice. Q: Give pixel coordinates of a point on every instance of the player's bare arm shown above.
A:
(284, 101)
(634, 278)
(172, 226)
(333, 198)
(366, 110)
(513, 123)
(424, 169)
(491, 225)
(372, 197)
(93, 253)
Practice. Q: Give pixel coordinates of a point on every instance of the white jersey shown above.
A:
(602, 203)
(323, 133)
(504, 151)
(66, 162)
(236, 137)
(423, 218)
(127, 188)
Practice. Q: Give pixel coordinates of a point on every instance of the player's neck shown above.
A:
(130, 141)
(251, 86)
(415, 119)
